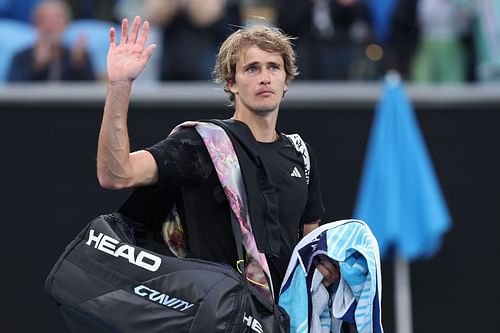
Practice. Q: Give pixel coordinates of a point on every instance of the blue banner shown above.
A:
(399, 195)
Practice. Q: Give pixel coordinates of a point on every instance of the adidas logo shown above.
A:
(296, 173)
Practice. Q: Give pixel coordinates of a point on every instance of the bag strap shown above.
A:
(298, 143)
(265, 301)
(225, 160)
(263, 205)
(301, 148)
(235, 226)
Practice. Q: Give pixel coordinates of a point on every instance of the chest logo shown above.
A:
(296, 173)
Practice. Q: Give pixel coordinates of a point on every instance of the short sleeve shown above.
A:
(182, 159)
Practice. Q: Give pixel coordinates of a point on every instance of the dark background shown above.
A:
(50, 191)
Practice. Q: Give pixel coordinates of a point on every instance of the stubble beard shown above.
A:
(259, 109)
(264, 110)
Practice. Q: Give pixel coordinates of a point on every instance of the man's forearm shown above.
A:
(113, 164)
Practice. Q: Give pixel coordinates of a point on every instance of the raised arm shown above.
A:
(117, 168)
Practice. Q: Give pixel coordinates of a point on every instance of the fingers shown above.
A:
(124, 34)
(112, 37)
(323, 270)
(148, 52)
(78, 50)
(330, 274)
(329, 269)
(134, 34)
(150, 49)
(81, 42)
(144, 34)
(135, 29)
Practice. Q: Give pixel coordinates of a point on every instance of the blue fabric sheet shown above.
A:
(399, 195)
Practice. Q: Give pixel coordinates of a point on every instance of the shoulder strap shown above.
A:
(301, 147)
(263, 205)
(221, 151)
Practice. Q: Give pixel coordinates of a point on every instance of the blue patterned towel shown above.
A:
(352, 244)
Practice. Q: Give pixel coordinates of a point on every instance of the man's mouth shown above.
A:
(265, 92)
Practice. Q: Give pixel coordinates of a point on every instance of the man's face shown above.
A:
(51, 21)
(260, 81)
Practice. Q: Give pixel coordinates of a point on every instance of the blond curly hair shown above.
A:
(267, 38)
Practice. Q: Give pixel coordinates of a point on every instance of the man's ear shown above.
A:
(231, 85)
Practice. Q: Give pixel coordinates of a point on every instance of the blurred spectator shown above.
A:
(48, 59)
(487, 40)
(17, 9)
(440, 56)
(332, 37)
(403, 38)
(93, 9)
(191, 33)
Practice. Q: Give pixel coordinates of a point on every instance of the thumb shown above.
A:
(148, 52)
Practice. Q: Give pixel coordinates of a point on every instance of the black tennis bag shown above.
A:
(104, 282)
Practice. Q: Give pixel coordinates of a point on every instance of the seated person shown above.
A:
(48, 59)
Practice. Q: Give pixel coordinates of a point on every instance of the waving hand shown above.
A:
(127, 59)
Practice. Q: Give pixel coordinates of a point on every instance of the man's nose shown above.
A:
(265, 77)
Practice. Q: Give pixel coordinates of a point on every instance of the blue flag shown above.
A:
(399, 195)
(381, 14)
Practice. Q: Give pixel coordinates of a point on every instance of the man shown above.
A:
(256, 65)
(48, 59)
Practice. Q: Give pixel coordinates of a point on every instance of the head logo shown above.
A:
(253, 323)
(108, 245)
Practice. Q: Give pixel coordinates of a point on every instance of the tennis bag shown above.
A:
(104, 282)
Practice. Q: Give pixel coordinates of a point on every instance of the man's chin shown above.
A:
(265, 109)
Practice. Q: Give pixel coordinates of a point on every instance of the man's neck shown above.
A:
(262, 127)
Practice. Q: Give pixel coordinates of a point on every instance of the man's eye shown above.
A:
(274, 67)
(251, 69)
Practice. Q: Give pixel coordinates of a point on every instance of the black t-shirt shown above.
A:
(184, 166)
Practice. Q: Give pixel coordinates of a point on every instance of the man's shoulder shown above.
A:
(302, 149)
(183, 139)
(296, 141)
(23, 54)
(187, 135)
